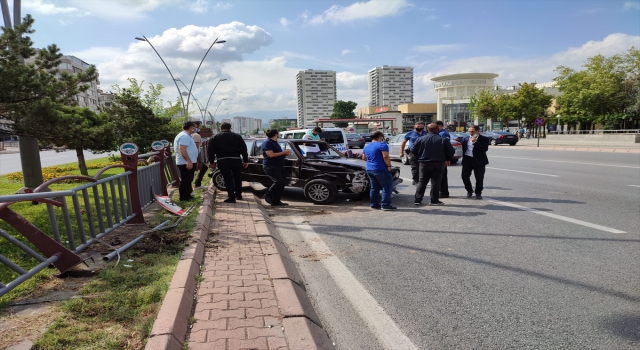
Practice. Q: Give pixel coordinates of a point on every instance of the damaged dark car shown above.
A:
(315, 166)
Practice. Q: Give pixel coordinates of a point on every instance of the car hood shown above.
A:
(354, 162)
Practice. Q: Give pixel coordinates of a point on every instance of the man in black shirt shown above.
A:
(434, 154)
(230, 151)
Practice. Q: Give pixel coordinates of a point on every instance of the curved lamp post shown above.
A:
(185, 107)
(213, 117)
(214, 89)
(185, 93)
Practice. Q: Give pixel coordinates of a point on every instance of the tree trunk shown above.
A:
(82, 164)
(30, 160)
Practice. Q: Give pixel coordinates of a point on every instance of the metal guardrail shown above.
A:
(87, 212)
(591, 132)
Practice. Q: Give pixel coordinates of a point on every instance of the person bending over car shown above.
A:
(273, 165)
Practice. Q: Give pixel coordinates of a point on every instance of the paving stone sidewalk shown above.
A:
(238, 298)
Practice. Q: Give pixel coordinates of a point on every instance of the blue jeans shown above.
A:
(380, 180)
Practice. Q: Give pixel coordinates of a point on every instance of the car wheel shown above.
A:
(454, 161)
(320, 191)
(218, 181)
(493, 142)
(404, 159)
(512, 144)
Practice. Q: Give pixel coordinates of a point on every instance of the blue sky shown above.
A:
(269, 41)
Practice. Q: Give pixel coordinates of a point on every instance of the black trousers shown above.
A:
(201, 175)
(186, 178)
(468, 166)
(415, 165)
(444, 183)
(231, 170)
(279, 178)
(429, 171)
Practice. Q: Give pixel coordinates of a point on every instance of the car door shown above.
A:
(255, 172)
(292, 162)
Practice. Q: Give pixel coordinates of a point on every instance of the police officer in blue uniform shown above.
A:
(410, 137)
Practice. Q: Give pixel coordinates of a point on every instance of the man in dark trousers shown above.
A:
(273, 165)
(230, 152)
(201, 168)
(410, 137)
(474, 159)
(444, 183)
(434, 153)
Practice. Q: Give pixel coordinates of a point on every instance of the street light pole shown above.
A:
(214, 89)
(197, 70)
(213, 117)
(194, 98)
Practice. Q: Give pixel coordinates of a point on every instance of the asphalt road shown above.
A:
(10, 162)
(548, 260)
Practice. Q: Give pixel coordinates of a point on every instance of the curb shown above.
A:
(577, 148)
(302, 327)
(172, 323)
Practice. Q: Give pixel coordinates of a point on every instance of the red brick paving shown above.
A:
(236, 306)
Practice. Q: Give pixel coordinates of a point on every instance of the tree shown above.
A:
(528, 102)
(343, 110)
(80, 128)
(140, 117)
(280, 126)
(483, 105)
(32, 93)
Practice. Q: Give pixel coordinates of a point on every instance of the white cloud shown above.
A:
(284, 22)
(513, 71)
(631, 5)
(119, 10)
(446, 25)
(347, 51)
(361, 10)
(432, 17)
(46, 8)
(199, 6)
(438, 48)
(64, 22)
(221, 6)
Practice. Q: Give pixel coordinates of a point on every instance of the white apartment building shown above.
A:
(245, 125)
(390, 86)
(316, 91)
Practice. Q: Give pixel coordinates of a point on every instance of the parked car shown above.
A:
(367, 137)
(458, 136)
(498, 137)
(321, 175)
(396, 141)
(355, 140)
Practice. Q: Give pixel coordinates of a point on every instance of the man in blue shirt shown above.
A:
(186, 159)
(273, 165)
(376, 154)
(444, 183)
(434, 154)
(411, 136)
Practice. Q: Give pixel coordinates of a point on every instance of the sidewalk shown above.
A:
(577, 146)
(250, 295)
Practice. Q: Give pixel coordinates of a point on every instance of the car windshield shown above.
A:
(353, 136)
(332, 136)
(324, 151)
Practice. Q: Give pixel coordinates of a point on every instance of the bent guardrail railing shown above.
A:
(87, 212)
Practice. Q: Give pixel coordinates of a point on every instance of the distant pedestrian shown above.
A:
(186, 159)
(312, 149)
(444, 183)
(474, 159)
(434, 154)
(376, 154)
(273, 165)
(229, 152)
(410, 137)
(200, 168)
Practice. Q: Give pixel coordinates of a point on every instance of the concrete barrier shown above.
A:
(597, 138)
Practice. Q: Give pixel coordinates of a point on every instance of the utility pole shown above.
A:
(29, 150)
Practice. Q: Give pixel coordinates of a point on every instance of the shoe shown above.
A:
(438, 203)
(478, 196)
(389, 208)
(279, 204)
(444, 195)
(414, 183)
(230, 200)
(417, 203)
(469, 194)
(239, 198)
(266, 199)
(375, 207)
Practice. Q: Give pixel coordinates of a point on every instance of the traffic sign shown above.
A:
(539, 121)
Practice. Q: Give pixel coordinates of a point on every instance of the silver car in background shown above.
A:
(396, 141)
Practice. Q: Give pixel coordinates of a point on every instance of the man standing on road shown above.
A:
(474, 158)
(186, 159)
(444, 183)
(376, 154)
(434, 154)
(273, 165)
(411, 136)
(311, 149)
(200, 167)
(229, 150)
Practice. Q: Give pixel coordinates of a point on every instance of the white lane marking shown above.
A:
(53, 158)
(404, 179)
(555, 216)
(633, 185)
(525, 172)
(562, 161)
(386, 331)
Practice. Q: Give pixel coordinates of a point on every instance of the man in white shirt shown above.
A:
(310, 149)
(186, 159)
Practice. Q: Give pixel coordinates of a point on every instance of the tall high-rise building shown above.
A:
(316, 90)
(390, 86)
(245, 125)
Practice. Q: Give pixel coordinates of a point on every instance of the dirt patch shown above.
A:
(26, 322)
